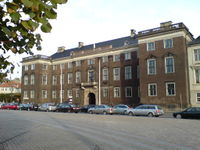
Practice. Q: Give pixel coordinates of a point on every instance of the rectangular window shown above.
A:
(78, 63)
(127, 56)
(70, 78)
(170, 89)
(25, 80)
(54, 94)
(197, 54)
(69, 93)
(77, 93)
(26, 67)
(152, 89)
(78, 77)
(54, 80)
(44, 94)
(105, 74)
(25, 95)
(54, 67)
(151, 66)
(128, 72)
(128, 91)
(33, 67)
(44, 79)
(62, 66)
(69, 65)
(105, 59)
(198, 97)
(116, 74)
(116, 92)
(91, 61)
(44, 66)
(116, 58)
(168, 43)
(32, 94)
(91, 76)
(197, 75)
(169, 64)
(32, 79)
(105, 91)
(151, 46)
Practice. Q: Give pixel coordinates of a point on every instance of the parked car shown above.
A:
(86, 107)
(146, 110)
(192, 112)
(64, 107)
(120, 109)
(1, 105)
(75, 108)
(101, 109)
(51, 107)
(13, 106)
(45, 106)
(25, 107)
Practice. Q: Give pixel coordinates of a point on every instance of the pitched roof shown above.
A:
(116, 43)
(13, 84)
(196, 41)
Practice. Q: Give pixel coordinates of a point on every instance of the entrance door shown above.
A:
(92, 99)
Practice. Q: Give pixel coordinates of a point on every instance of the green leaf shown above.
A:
(33, 25)
(27, 3)
(32, 15)
(60, 1)
(51, 14)
(15, 16)
(26, 25)
(46, 28)
(6, 31)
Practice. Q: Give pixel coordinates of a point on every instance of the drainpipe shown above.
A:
(99, 81)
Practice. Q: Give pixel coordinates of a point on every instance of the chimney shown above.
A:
(133, 32)
(61, 49)
(165, 24)
(80, 44)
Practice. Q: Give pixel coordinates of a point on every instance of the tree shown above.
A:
(19, 20)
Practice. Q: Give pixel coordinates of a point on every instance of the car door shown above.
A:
(138, 110)
(187, 113)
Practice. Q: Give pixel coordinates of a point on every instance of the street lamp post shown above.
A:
(61, 98)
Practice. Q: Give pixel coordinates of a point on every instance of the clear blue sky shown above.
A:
(92, 21)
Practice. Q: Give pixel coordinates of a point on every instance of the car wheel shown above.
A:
(150, 114)
(90, 112)
(130, 113)
(124, 112)
(178, 116)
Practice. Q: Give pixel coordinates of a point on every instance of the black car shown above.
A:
(192, 112)
(64, 107)
(86, 107)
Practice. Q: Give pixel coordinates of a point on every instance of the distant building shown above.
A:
(9, 87)
(151, 67)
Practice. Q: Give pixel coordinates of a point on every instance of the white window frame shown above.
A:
(151, 46)
(128, 72)
(127, 56)
(117, 92)
(116, 58)
(166, 45)
(44, 79)
(78, 63)
(128, 89)
(69, 93)
(105, 59)
(44, 94)
(173, 66)
(32, 79)
(91, 79)
(198, 97)
(148, 67)
(69, 65)
(77, 93)
(196, 54)
(54, 80)
(54, 96)
(105, 91)
(25, 94)
(26, 80)
(32, 94)
(78, 77)
(54, 67)
(167, 92)
(91, 61)
(154, 89)
(105, 74)
(116, 74)
(44, 67)
(26, 67)
(32, 66)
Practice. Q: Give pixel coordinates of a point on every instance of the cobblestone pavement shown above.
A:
(28, 130)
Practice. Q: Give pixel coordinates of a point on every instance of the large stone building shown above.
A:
(148, 67)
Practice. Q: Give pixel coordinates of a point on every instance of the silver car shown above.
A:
(46, 107)
(120, 109)
(101, 109)
(146, 110)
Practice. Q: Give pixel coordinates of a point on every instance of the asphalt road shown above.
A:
(27, 130)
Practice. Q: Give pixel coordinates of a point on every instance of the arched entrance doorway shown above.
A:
(92, 99)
